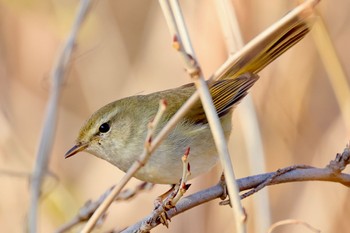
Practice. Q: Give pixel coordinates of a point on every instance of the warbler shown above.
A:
(117, 131)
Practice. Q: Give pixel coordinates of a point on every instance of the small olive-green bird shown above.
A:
(117, 131)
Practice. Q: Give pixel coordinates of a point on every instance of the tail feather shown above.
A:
(228, 93)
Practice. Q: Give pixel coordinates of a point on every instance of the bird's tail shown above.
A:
(269, 44)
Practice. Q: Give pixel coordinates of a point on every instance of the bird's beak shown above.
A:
(75, 149)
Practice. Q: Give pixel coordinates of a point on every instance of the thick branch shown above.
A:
(250, 182)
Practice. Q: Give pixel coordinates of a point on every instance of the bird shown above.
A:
(116, 131)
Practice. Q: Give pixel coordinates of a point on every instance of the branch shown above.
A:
(49, 127)
(297, 173)
(331, 173)
(90, 207)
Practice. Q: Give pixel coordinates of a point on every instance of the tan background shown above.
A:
(124, 49)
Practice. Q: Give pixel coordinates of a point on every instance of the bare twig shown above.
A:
(48, 130)
(130, 193)
(177, 27)
(84, 213)
(90, 207)
(341, 160)
(131, 171)
(247, 114)
(186, 172)
(278, 173)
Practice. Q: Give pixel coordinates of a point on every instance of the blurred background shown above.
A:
(123, 49)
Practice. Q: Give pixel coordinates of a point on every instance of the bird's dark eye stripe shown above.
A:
(104, 128)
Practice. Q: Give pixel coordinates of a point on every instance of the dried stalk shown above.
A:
(49, 127)
(247, 114)
(177, 27)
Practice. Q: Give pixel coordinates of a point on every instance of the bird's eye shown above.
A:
(104, 128)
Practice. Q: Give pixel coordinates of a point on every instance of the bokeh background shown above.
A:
(123, 49)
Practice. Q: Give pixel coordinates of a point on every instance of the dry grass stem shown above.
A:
(247, 115)
(177, 27)
(49, 126)
(335, 71)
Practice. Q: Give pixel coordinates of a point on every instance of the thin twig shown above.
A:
(278, 173)
(84, 213)
(186, 172)
(131, 171)
(49, 126)
(130, 193)
(341, 160)
(177, 27)
(247, 115)
(90, 207)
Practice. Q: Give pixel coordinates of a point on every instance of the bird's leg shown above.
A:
(224, 193)
(169, 199)
(160, 199)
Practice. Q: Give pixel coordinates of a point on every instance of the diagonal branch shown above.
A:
(177, 27)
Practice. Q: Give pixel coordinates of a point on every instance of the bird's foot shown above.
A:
(169, 199)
